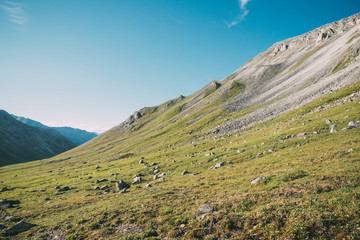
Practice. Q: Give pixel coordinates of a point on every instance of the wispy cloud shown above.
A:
(240, 17)
(14, 11)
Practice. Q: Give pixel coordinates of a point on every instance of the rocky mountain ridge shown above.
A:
(288, 75)
(21, 143)
(75, 135)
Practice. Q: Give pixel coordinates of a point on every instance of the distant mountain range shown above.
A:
(77, 136)
(21, 143)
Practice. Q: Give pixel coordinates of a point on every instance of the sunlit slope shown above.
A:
(288, 75)
(310, 173)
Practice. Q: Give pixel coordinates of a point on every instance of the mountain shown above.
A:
(21, 143)
(77, 136)
(269, 152)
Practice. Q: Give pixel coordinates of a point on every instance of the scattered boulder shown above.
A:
(141, 161)
(4, 203)
(301, 135)
(209, 154)
(137, 180)
(332, 128)
(56, 187)
(12, 218)
(120, 185)
(19, 227)
(256, 180)
(205, 209)
(161, 180)
(184, 172)
(147, 185)
(97, 167)
(96, 188)
(352, 125)
(328, 121)
(240, 150)
(104, 187)
(155, 176)
(101, 180)
(122, 190)
(218, 165)
(63, 189)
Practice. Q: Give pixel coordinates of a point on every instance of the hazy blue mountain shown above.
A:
(75, 135)
(21, 143)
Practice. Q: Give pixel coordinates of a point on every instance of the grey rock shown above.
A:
(12, 219)
(328, 121)
(301, 135)
(121, 185)
(96, 188)
(147, 185)
(205, 209)
(352, 125)
(122, 190)
(161, 180)
(155, 177)
(209, 154)
(19, 227)
(240, 150)
(218, 165)
(141, 161)
(256, 180)
(97, 167)
(101, 180)
(4, 203)
(332, 128)
(64, 189)
(104, 187)
(184, 172)
(137, 180)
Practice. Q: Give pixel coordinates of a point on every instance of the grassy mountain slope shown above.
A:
(311, 188)
(254, 123)
(20, 142)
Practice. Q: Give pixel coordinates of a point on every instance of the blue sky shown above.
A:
(90, 64)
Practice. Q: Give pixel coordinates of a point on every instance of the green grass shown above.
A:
(312, 187)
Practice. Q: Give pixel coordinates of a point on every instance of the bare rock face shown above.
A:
(294, 72)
